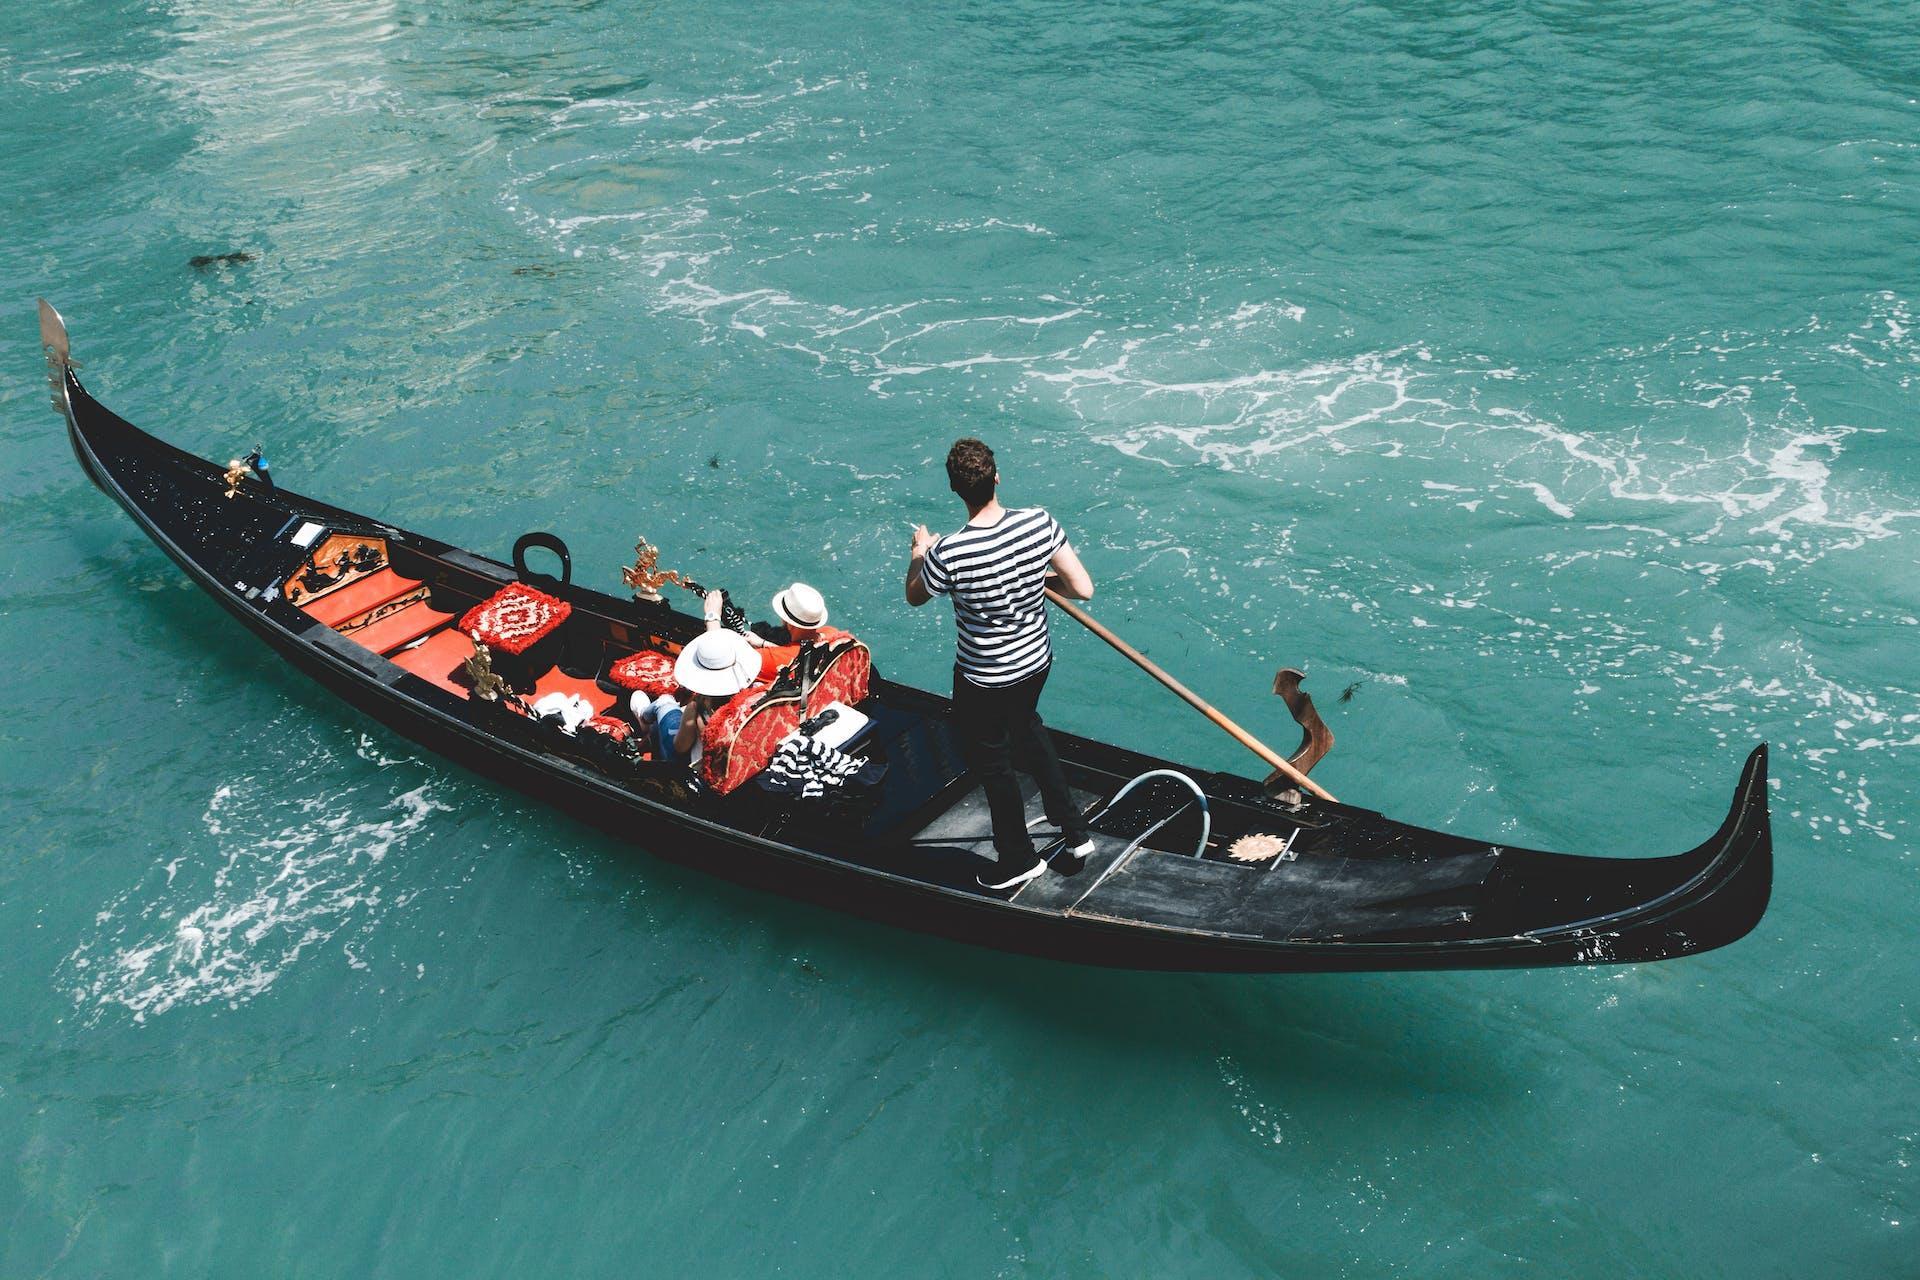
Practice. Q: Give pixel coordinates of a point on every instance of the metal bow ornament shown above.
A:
(645, 577)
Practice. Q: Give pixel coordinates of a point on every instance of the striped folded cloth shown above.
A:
(808, 768)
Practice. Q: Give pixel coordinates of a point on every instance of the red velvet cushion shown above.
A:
(613, 726)
(515, 618)
(651, 673)
(741, 738)
(845, 680)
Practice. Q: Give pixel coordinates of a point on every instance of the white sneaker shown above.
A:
(1071, 859)
(1031, 873)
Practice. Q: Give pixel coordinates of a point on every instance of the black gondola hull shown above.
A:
(1635, 909)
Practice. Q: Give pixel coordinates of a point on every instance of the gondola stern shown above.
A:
(1732, 875)
(1749, 823)
(1750, 837)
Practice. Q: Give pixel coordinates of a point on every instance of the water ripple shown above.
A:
(282, 870)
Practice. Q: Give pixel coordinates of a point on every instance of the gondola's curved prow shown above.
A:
(1620, 910)
(1521, 908)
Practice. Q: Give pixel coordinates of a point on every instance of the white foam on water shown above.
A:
(1223, 383)
(1547, 499)
(277, 873)
(1772, 481)
(1848, 737)
(1154, 392)
(1263, 1122)
(1883, 338)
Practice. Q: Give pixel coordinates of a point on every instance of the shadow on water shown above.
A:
(1345, 1033)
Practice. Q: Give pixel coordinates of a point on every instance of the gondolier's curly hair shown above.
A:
(971, 470)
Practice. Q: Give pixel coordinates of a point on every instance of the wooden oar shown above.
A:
(1191, 698)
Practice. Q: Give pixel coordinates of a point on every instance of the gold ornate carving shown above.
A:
(487, 686)
(645, 577)
(236, 472)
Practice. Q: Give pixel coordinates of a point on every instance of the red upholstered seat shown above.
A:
(515, 618)
(845, 679)
(358, 596)
(437, 659)
(651, 673)
(399, 627)
(743, 735)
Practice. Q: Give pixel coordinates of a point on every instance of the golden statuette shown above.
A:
(236, 472)
(645, 577)
(487, 686)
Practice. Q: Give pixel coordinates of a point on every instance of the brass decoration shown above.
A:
(53, 340)
(645, 577)
(1262, 846)
(333, 563)
(236, 472)
(487, 686)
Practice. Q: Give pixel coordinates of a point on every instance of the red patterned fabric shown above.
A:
(613, 726)
(741, 738)
(744, 734)
(776, 656)
(651, 673)
(515, 618)
(844, 680)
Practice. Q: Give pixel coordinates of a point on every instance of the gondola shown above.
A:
(1193, 869)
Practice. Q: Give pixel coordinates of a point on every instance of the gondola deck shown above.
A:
(1345, 889)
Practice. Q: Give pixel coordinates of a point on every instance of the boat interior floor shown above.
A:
(957, 845)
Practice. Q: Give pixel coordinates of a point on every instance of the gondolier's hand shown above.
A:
(917, 593)
(710, 609)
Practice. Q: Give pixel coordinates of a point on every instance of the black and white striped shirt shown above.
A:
(997, 578)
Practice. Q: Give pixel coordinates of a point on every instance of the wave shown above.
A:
(282, 868)
(1238, 380)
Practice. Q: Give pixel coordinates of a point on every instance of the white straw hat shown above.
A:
(717, 663)
(801, 606)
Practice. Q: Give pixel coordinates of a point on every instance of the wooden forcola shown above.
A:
(1281, 765)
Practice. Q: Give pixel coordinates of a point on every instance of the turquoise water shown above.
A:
(1547, 372)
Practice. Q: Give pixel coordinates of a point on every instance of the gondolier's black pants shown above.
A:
(999, 729)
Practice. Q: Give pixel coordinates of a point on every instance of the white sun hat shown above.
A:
(717, 663)
(801, 606)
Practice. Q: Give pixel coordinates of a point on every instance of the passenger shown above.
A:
(714, 666)
(803, 612)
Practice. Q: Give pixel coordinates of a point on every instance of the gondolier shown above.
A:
(996, 569)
